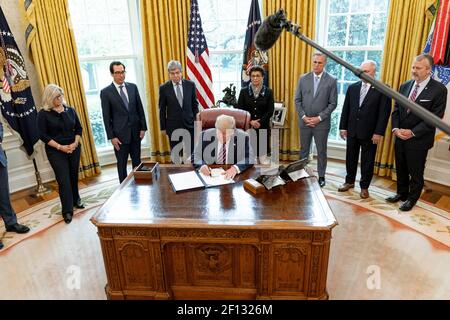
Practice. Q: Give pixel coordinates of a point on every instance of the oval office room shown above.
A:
(225, 150)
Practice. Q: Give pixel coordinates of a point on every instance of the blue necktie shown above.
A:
(124, 97)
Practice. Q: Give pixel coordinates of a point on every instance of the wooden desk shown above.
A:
(218, 243)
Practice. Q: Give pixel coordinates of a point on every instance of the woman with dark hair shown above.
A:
(60, 129)
(258, 100)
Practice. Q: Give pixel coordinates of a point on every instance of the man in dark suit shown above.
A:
(224, 145)
(315, 101)
(413, 136)
(178, 108)
(124, 118)
(6, 210)
(364, 118)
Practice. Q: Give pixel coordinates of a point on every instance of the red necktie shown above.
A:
(413, 96)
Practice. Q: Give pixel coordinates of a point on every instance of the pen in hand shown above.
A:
(205, 170)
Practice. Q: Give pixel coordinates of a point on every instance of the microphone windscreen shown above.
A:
(269, 31)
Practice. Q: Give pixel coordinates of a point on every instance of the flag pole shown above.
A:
(41, 189)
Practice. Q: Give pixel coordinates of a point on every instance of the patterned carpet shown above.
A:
(424, 218)
(47, 214)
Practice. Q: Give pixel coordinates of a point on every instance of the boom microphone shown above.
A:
(270, 31)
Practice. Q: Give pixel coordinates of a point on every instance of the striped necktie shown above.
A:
(364, 90)
(222, 157)
(413, 96)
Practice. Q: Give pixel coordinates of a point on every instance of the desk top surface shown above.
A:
(297, 205)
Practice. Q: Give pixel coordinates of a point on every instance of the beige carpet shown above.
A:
(47, 214)
(424, 218)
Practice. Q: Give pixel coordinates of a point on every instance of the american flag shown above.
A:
(198, 59)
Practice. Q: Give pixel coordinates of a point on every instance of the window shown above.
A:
(224, 25)
(355, 31)
(106, 30)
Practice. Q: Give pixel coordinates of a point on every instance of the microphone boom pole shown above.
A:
(422, 113)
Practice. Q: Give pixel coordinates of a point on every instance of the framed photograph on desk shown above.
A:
(279, 114)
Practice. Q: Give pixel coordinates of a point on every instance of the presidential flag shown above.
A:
(252, 56)
(16, 101)
(198, 69)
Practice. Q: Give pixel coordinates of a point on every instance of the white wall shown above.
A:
(20, 168)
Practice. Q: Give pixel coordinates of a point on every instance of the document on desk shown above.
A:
(216, 178)
(186, 181)
(297, 175)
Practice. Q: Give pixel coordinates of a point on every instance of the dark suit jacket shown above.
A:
(259, 108)
(119, 122)
(370, 119)
(171, 115)
(434, 99)
(239, 152)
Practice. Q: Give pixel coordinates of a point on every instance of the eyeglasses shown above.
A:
(119, 72)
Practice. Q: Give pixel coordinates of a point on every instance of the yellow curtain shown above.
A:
(288, 59)
(51, 41)
(406, 34)
(164, 31)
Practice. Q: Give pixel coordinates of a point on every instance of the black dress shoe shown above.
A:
(396, 198)
(322, 182)
(17, 228)
(79, 205)
(1, 245)
(67, 217)
(407, 205)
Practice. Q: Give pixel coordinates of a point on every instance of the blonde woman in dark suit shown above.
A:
(60, 129)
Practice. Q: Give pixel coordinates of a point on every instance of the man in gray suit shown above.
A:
(6, 210)
(315, 100)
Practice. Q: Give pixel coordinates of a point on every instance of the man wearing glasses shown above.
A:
(124, 118)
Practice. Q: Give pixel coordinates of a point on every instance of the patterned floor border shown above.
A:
(424, 218)
(47, 214)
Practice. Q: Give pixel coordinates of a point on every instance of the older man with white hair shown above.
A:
(224, 145)
(364, 118)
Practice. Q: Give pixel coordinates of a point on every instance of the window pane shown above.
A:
(95, 12)
(96, 76)
(118, 12)
(335, 117)
(224, 25)
(376, 56)
(359, 30)
(355, 58)
(334, 68)
(339, 6)
(362, 6)
(96, 119)
(337, 31)
(121, 40)
(361, 18)
(379, 22)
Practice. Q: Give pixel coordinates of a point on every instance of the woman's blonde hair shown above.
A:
(51, 91)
